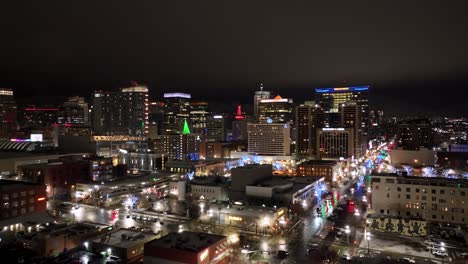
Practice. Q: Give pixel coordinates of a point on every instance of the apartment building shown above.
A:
(432, 199)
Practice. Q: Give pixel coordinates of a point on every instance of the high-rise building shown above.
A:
(239, 125)
(259, 96)
(308, 119)
(8, 113)
(350, 113)
(416, 133)
(332, 98)
(335, 143)
(276, 110)
(125, 112)
(183, 146)
(215, 128)
(198, 117)
(269, 139)
(74, 112)
(176, 111)
(156, 118)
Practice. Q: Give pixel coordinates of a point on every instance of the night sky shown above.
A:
(413, 53)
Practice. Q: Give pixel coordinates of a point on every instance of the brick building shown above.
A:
(21, 198)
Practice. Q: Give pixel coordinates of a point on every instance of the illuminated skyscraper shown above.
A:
(8, 113)
(125, 112)
(308, 119)
(276, 110)
(182, 146)
(259, 96)
(269, 139)
(216, 128)
(74, 111)
(351, 114)
(330, 100)
(198, 117)
(156, 117)
(176, 111)
(335, 143)
(239, 125)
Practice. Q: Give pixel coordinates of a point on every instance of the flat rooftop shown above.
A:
(210, 181)
(187, 241)
(318, 162)
(124, 238)
(298, 182)
(249, 211)
(435, 181)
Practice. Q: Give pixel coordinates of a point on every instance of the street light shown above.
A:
(367, 236)
(347, 231)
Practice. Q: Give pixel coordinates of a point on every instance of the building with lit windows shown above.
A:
(332, 98)
(322, 168)
(259, 96)
(239, 124)
(8, 113)
(156, 117)
(125, 112)
(176, 111)
(21, 199)
(59, 176)
(442, 200)
(74, 111)
(308, 119)
(335, 143)
(269, 139)
(216, 128)
(276, 110)
(198, 117)
(184, 146)
(415, 134)
(351, 116)
(39, 118)
(186, 248)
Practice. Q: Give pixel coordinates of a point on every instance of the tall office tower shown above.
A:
(215, 128)
(331, 99)
(182, 146)
(259, 96)
(239, 125)
(74, 112)
(350, 113)
(198, 117)
(176, 111)
(269, 139)
(156, 118)
(335, 143)
(276, 110)
(8, 113)
(416, 133)
(308, 119)
(125, 112)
